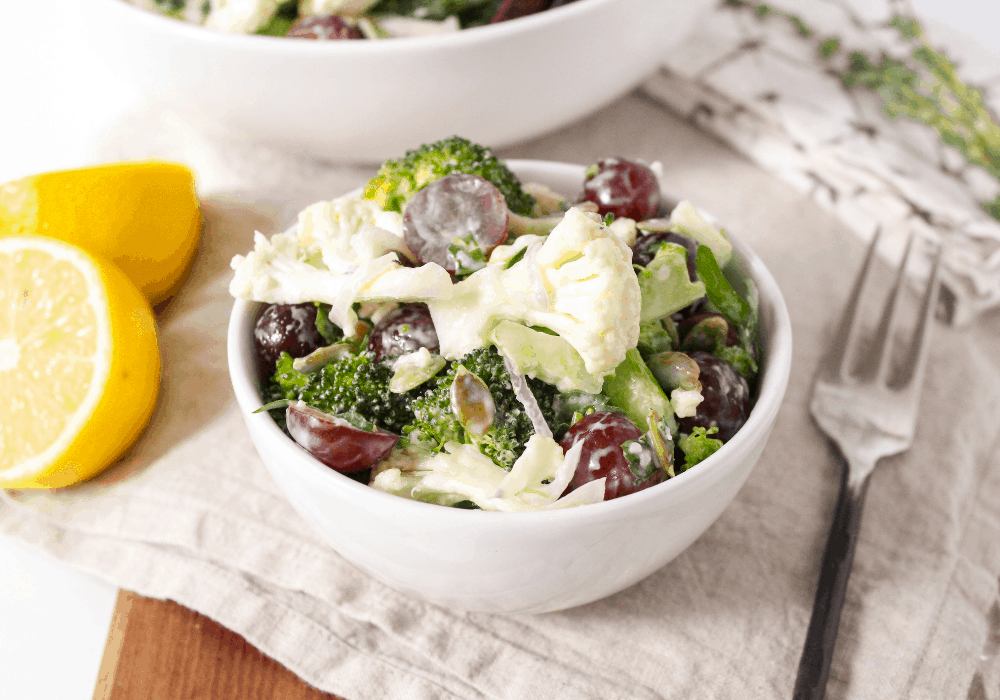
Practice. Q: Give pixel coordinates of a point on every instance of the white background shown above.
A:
(56, 99)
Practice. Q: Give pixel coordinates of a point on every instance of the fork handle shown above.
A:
(814, 666)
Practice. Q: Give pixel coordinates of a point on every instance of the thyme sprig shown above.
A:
(925, 87)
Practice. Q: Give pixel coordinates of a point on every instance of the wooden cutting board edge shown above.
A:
(160, 649)
(113, 647)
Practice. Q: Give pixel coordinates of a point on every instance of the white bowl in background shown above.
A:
(518, 562)
(367, 101)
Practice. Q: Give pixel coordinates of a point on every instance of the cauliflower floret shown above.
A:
(475, 305)
(351, 231)
(625, 229)
(283, 270)
(341, 252)
(685, 402)
(505, 253)
(594, 298)
(578, 283)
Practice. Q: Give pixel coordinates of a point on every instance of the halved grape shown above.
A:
(726, 403)
(324, 28)
(287, 328)
(456, 222)
(623, 188)
(334, 441)
(603, 435)
(405, 330)
(512, 9)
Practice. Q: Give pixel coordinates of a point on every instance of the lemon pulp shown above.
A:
(79, 363)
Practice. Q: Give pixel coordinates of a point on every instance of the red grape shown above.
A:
(726, 402)
(603, 434)
(324, 28)
(623, 188)
(405, 330)
(458, 209)
(512, 9)
(287, 328)
(335, 442)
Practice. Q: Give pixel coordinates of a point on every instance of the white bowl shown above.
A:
(518, 562)
(371, 100)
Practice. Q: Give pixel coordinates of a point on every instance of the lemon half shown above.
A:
(79, 363)
(144, 217)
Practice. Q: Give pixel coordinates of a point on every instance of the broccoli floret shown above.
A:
(741, 359)
(434, 423)
(398, 180)
(357, 385)
(352, 384)
(698, 446)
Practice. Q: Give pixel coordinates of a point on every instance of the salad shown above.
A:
(345, 19)
(452, 335)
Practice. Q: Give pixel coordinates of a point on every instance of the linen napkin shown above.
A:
(190, 514)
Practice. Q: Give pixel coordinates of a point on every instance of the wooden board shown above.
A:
(159, 649)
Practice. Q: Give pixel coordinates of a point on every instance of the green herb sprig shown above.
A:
(924, 88)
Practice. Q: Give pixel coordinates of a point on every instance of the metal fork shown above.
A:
(868, 415)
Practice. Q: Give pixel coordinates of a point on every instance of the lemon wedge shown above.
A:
(79, 363)
(144, 217)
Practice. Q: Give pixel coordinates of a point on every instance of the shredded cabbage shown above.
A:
(462, 473)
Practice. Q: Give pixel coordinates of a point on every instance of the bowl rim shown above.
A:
(771, 392)
(278, 45)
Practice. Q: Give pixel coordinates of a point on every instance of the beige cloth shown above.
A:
(191, 514)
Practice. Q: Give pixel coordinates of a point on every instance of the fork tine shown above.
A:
(916, 357)
(882, 343)
(847, 332)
